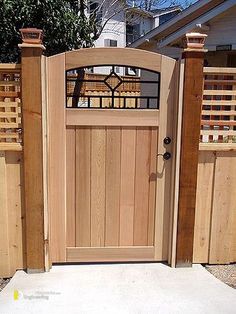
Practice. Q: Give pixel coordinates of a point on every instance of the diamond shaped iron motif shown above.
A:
(109, 81)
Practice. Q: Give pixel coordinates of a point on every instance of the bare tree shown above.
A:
(105, 10)
(148, 5)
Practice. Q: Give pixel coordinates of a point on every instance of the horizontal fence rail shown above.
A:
(10, 108)
(218, 123)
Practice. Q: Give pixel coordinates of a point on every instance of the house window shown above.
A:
(110, 43)
(132, 33)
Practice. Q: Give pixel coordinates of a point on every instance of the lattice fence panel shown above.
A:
(10, 108)
(218, 123)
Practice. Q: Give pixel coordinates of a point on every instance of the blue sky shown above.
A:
(182, 2)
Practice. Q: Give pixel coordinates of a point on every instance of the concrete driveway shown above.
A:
(118, 288)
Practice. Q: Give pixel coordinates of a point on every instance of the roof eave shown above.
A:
(175, 20)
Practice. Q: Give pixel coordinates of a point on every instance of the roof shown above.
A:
(181, 21)
(139, 11)
(157, 12)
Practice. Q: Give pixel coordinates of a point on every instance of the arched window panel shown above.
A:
(112, 87)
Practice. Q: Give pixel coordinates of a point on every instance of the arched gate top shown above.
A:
(120, 56)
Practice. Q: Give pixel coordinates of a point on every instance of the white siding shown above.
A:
(222, 30)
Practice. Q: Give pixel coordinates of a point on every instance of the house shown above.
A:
(216, 18)
(139, 22)
(122, 25)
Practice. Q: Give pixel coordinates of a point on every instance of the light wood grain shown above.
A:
(110, 254)
(142, 176)
(219, 112)
(176, 161)
(70, 187)
(113, 163)
(217, 147)
(112, 117)
(11, 147)
(118, 56)
(128, 145)
(223, 208)
(83, 186)
(4, 235)
(217, 70)
(219, 92)
(98, 151)
(57, 157)
(152, 186)
(164, 189)
(16, 213)
(203, 214)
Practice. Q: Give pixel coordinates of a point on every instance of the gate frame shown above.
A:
(34, 74)
(57, 66)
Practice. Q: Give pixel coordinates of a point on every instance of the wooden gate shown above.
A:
(110, 187)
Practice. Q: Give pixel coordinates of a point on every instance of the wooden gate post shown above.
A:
(191, 123)
(31, 92)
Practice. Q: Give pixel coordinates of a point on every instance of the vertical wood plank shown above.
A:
(98, 151)
(128, 145)
(70, 187)
(223, 208)
(164, 188)
(57, 157)
(152, 186)
(4, 237)
(15, 206)
(177, 125)
(205, 186)
(44, 75)
(142, 168)
(233, 224)
(83, 188)
(113, 160)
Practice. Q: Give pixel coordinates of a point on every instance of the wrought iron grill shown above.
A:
(112, 87)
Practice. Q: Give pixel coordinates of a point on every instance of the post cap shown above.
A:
(31, 35)
(195, 42)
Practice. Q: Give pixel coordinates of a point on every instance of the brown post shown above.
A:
(31, 91)
(191, 123)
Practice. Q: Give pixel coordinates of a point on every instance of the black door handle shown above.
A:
(166, 155)
(167, 140)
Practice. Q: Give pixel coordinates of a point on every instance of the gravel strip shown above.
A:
(3, 283)
(225, 273)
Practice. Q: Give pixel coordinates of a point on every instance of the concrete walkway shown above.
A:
(118, 288)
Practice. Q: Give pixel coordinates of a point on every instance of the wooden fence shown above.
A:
(93, 86)
(215, 219)
(12, 248)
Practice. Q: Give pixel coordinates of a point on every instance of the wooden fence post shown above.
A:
(191, 122)
(31, 93)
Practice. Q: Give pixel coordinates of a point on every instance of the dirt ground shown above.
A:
(225, 273)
